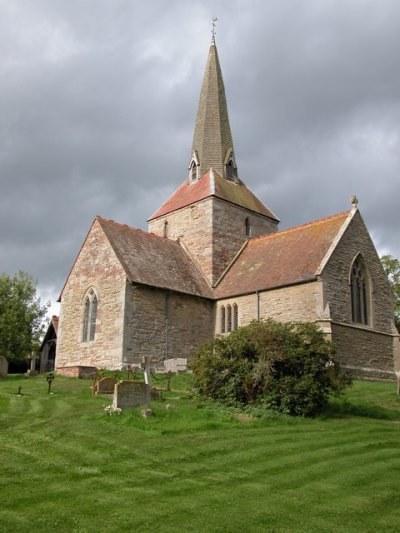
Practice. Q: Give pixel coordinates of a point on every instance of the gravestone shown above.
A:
(176, 365)
(130, 394)
(104, 386)
(3, 367)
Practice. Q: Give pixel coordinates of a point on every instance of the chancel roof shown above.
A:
(213, 184)
(155, 261)
(282, 258)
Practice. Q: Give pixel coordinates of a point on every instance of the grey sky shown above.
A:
(98, 101)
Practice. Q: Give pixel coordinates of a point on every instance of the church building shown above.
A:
(212, 260)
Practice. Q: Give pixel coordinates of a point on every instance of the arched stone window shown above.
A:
(229, 319)
(235, 316)
(166, 229)
(223, 318)
(89, 316)
(359, 292)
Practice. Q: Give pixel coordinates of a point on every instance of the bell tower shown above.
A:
(212, 213)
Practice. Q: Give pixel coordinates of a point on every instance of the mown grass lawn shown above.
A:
(68, 466)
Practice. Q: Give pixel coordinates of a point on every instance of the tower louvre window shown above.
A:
(230, 170)
(359, 292)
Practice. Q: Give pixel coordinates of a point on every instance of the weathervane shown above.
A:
(213, 23)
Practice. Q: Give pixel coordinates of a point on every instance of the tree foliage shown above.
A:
(289, 367)
(21, 315)
(392, 269)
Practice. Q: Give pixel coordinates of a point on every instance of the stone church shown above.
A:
(212, 260)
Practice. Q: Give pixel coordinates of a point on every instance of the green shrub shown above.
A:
(288, 367)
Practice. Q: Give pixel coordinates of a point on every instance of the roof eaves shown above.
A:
(169, 289)
(307, 279)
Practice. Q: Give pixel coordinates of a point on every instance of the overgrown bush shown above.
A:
(288, 367)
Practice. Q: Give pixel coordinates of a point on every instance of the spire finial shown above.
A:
(354, 200)
(213, 33)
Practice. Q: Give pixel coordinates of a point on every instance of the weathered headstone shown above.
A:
(130, 394)
(105, 385)
(179, 364)
(3, 367)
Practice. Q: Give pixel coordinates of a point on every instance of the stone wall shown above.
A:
(363, 353)
(163, 324)
(299, 303)
(96, 267)
(212, 231)
(363, 348)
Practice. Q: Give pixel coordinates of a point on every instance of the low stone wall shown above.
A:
(77, 371)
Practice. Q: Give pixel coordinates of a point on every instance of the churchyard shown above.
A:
(69, 465)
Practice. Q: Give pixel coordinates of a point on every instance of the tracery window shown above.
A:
(359, 292)
(89, 316)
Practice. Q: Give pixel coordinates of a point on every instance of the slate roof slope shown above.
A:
(154, 261)
(284, 258)
(213, 184)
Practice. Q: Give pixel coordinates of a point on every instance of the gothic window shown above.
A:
(230, 170)
(359, 292)
(247, 227)
(166, 229)
(193, 168)
(223, 318)
(89, 316)
(235, 316)
(229, 319)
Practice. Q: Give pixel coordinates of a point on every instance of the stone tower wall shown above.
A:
(212, 231)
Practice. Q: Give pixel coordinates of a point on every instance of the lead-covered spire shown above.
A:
(212, 139)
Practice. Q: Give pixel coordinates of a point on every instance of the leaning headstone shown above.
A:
(3, 367)
(104, 386)
(130, 394)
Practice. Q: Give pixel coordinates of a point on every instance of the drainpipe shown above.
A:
(258, 305)
(166, 323)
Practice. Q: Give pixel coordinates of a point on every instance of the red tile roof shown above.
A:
(213, 184)
(283, 258)
(154, 261)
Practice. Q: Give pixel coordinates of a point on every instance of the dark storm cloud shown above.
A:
(98, 100)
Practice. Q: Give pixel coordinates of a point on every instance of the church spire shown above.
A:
(212, 139)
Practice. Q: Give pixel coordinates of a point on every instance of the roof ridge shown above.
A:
(132, 228)
(299, 226)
